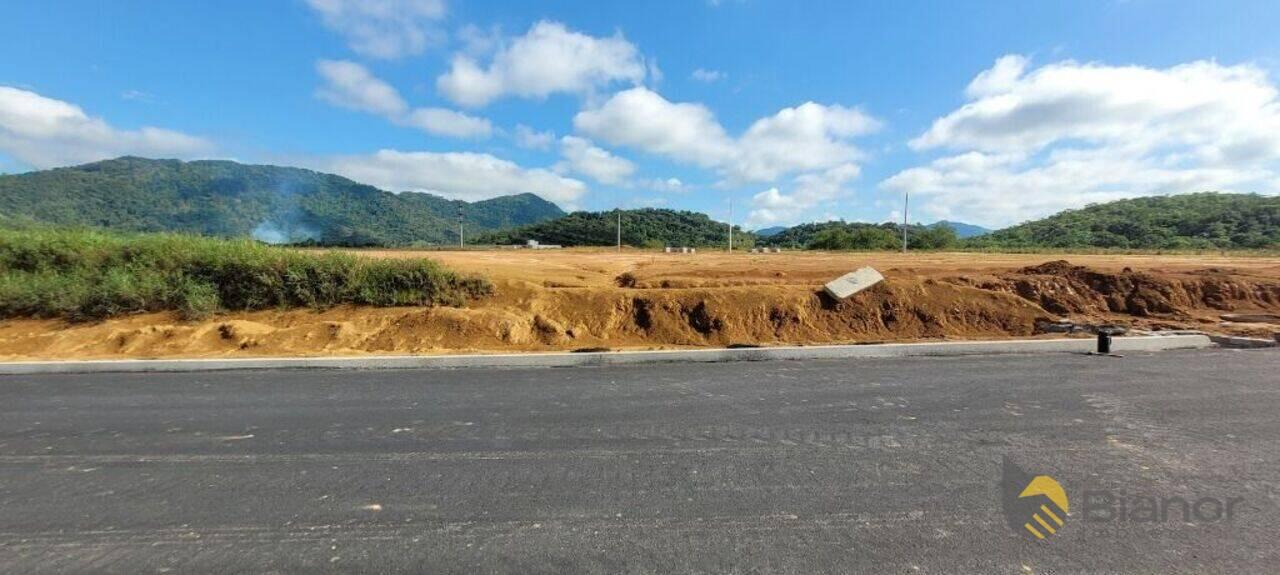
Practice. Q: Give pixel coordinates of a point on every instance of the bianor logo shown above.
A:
(1036, 505)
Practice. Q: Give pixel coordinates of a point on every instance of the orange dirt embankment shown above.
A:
(578, 299)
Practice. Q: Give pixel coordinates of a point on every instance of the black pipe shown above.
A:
(1104, 341)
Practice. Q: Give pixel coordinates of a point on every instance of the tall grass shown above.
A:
(89, 274)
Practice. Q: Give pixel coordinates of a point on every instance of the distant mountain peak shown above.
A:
(962, 229)
(770, 231)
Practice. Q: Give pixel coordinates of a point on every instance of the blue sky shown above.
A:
(987, 112)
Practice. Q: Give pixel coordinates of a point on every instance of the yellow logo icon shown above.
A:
(1033, 504)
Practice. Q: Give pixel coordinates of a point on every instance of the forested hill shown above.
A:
(840, 235)
(641, 228)
(272, 203)
(1190, 221)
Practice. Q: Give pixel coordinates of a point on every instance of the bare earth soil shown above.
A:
(585, 299)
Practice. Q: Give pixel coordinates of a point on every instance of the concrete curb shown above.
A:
(566, 359)
(1233, 341)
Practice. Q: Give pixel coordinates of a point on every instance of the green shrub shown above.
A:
(89, 274)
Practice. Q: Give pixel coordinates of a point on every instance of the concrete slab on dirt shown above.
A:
(853, 282)
(948, 348)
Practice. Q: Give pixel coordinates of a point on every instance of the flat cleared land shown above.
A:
(599, 298)
(872, 466)
(600, 267)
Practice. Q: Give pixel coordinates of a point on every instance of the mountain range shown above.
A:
(271, 203)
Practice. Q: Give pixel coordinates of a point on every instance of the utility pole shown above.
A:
(619, 230)
(906, 200)
(730, 225)
(460, 237)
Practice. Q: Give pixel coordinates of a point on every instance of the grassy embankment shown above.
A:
(83, 274)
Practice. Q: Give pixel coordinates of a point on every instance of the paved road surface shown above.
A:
(884, 466)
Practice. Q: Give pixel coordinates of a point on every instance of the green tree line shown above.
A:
(647, 228)
(838, 235)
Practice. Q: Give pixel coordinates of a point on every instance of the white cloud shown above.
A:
(708, 76)
(655, 73)
(350, 85)
(669, 185)
(477, 41)
(808, 192)
(646, 202)
(383, 28)
(548, 59)
(582, 157)
(445, 122)
(1030, 143)
(467, 84)
(996, 190)
(805, 138)
(457, 175)
(43, 132)
(532, 139)
(999, 79)
(642, 119)
(1192, 105)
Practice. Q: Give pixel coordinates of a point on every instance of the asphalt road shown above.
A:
(876, 466)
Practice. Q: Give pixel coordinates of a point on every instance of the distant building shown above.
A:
(534, 245)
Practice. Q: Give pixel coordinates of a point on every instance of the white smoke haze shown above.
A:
(273, 232)
(286, 222)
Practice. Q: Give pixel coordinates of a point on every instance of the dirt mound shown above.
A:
(1066, 289)
(572, 301)
(563, 319)
(1056, 267)
(895, 310)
